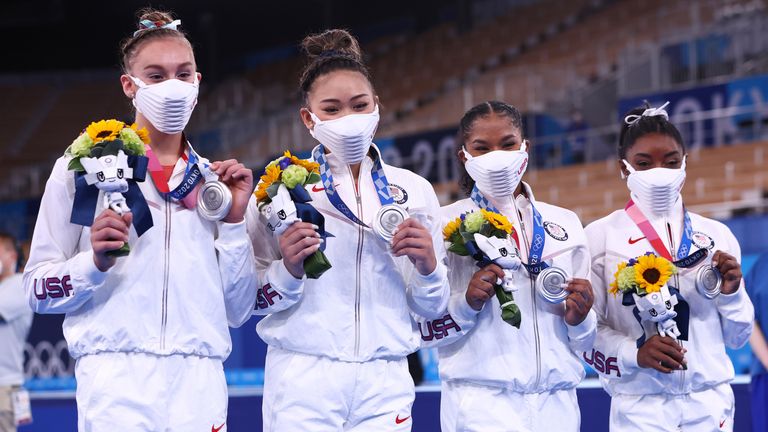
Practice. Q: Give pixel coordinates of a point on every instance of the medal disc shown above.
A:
(214, 200)
(548, 284)
(708, 281)
(387, 219)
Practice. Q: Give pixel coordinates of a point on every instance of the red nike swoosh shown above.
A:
(217, 429)
(317, 189)
(722, 422)
(398, 420)
(633, 241)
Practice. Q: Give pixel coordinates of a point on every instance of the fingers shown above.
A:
(581, 293)
(410, 228)
(231, 169)
(496, 270)
(404, 245)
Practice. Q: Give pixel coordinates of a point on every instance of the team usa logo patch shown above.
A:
(702, 241)
(398, 193)
(556, 231)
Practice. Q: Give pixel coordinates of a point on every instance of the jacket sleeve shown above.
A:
(581, 337)
(276, 288)
(428, 294)
(616, 348)
(237, 269)
(58, 277)
(458, 319)
(737, 313)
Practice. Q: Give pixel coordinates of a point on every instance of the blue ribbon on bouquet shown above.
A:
(308, 213)
(87, 197)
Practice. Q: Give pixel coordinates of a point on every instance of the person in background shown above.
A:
(756, 282)
(15, 321)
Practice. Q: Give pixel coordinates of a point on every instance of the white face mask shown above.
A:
(657, 189)
(497, 173)
(167, 105)
(348, 137)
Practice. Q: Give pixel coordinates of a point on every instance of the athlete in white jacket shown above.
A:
(148, 330)
(659, 383)
(497, 377)
(338, 344)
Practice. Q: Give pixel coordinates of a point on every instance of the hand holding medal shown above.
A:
(410, 238)
(729, 271)
(227, 198)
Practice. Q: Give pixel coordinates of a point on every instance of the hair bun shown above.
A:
(156, 16)
(335, 40)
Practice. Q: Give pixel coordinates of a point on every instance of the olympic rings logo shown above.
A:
(46, 360)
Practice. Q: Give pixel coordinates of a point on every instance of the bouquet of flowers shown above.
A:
(643, 282)
(283, 200)
(486, 237)
(109, 156)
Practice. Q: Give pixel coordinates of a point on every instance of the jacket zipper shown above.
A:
(166, 271)
(534, 305)
(677, 282)
(358, 260)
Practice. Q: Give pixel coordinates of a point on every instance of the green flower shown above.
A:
(132, 142)
(81, 146)
(294, 175)
(626, 279)
(474, 221)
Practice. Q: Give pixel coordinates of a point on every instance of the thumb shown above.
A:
(128, 218)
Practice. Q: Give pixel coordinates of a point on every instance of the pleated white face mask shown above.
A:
(657, 189)
(348, 137)
(497, 173)
(167, 105)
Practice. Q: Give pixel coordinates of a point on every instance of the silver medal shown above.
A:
(387, 219)
(214, 200)
(548, 284)
(708, 281)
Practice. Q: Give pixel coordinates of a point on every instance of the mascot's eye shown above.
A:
(100, 176)
(119, 173)
(668, 304)
(653, 312)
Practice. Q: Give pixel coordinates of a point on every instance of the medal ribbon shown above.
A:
(377, 174)
(684, 260)
(193, 175)
(535, 265)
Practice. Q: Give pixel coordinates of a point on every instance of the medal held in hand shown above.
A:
(387, 219)
(214, 200)
(109, 157)
(709, 281)
(549, 284)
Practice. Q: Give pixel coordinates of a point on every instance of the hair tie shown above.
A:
(649, 112)
(148, 25)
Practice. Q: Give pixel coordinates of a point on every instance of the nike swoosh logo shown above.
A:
(317, 189)
(398, 420)
(633, 241)
(217, 429)
(722, 422)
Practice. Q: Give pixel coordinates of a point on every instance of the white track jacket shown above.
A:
(360, 309)
(714, 325)
(184, 280)
(479, 347)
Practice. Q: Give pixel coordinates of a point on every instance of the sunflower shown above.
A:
(307, 164)
(498, 220)
(652, 272)
(271, 175)
(143, 133)
(451, 228)
(614, 289)
(104, 130)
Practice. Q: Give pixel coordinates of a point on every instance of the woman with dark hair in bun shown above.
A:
(338, 344)
(669, 293)
(149, 330)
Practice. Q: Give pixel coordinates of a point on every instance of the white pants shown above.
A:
(310, 393)
(705, 411)
(468, 407)
(143, 392)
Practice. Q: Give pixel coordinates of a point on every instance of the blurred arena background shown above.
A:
(572, 67)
